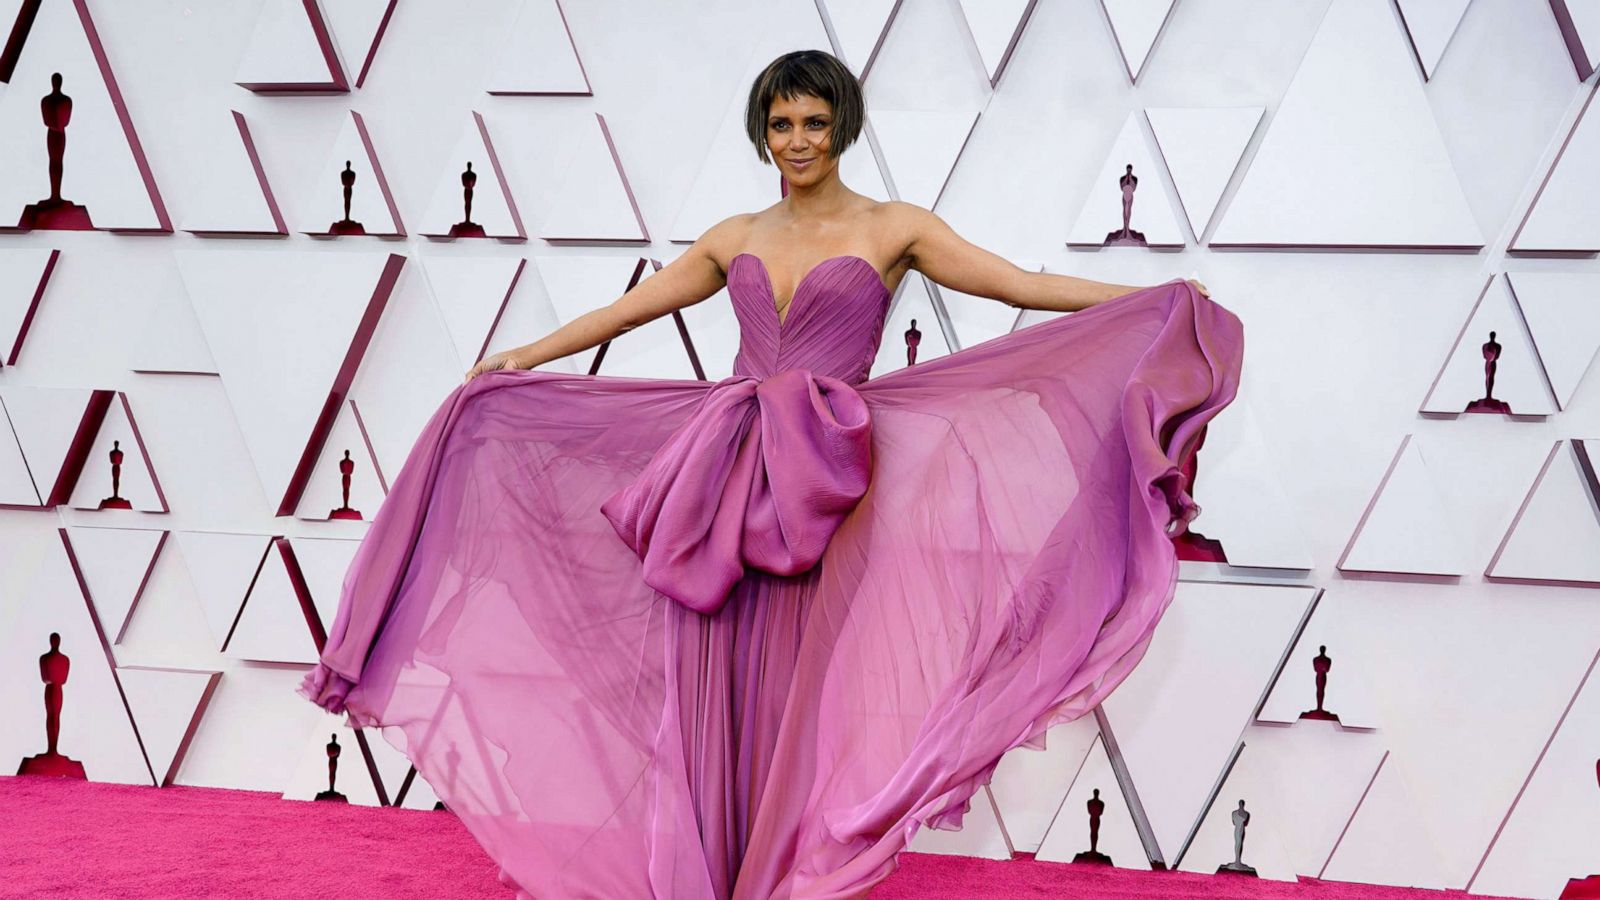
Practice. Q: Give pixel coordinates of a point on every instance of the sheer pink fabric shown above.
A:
(1000, 568)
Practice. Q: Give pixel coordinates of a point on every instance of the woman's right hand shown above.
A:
(505, 359)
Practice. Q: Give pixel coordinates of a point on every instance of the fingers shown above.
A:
(488, 364)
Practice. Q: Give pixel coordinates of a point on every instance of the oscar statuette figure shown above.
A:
(466, 227)
(1241, 818)
(1097, 808)
(333, 770)
(347, 467)
(1126, 236)
(53, 668)
(55, 211)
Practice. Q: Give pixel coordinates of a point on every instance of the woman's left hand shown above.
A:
(1201, 288)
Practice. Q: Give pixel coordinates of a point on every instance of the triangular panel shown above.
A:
(55, 429)
(347, 448)
(1136, 24)
(1202, 149)
(1332, 645)
(1242, 500)
(1321, 773)
(1429, 25)
(23, 276)
(40, 595)
(1561, 221)
(595, 204)
(116, 564)
(1251, 780)
(118, 472)
(493, 210)
(540, 57)
(358, 27)
(251, 306)
(106, 181)
(276, 622)
(168, 704)
(1555, 536)
(472, 294)
(1550, 832)
(236, 199)
(353, 163)
(1198, 685)
(1495, 329)
(352, 778)
(1101, 218)
(172, 340)
(222, 567)
(291, 50)
(406, 374)
(1352, 158)
(1407, 527)
(996, 26)
(1118, 836)
(1029, 785)
(912, 319)
(1562, 313)
(920, 148)
(858, 28)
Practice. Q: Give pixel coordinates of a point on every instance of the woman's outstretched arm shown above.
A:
(687, 280)
(954, 262)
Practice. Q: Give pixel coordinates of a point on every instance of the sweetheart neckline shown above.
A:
(772, 298)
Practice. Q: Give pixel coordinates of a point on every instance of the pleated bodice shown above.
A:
(832, 325)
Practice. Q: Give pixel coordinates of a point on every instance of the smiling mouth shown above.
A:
(802, 162)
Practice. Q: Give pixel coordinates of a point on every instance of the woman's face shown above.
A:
(798, 134)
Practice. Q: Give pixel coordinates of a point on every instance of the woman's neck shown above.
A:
(821, 200)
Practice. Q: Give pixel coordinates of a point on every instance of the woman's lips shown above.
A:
(802, 164)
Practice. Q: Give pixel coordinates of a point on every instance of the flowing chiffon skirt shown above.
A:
(1004, 572)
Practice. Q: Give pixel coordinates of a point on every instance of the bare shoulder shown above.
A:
(723, 241)
(904, 223)
(901, 210)
(907, 221)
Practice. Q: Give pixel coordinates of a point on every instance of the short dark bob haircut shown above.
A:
(803, 72)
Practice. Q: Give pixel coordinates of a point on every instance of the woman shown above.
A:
(804, 110)
(666, 638)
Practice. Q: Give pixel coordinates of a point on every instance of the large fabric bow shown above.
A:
(760, 475)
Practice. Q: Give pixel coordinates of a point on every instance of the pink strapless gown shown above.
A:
(682, 639)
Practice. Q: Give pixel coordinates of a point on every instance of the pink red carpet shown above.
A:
(74, 839)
